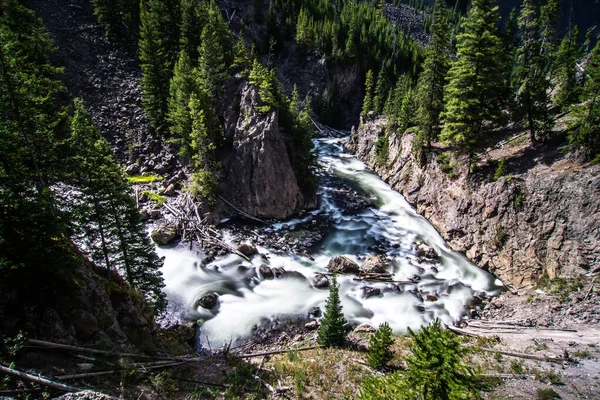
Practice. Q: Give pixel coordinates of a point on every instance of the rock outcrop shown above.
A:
(342, 265)
(543, 220)
(258, 176)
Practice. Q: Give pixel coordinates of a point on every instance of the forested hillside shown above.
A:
(196, 120)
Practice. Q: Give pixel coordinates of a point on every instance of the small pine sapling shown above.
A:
(380, 352)
(332, 331)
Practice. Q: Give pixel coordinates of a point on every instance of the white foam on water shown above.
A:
(246, 301)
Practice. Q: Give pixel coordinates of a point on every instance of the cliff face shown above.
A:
(258, 176)
(542, 219)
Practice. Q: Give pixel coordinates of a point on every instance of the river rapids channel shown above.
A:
(442, 289)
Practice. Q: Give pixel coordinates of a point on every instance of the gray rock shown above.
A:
(375, 264)
(132, 169)
(265, 271)
(170, 190)
(314, 312)
(343, 265)
(320, 281)
(312, 325)
(364, 328)
(369, 291)
(144, 214)
(278, 272)
(155, 214)
(258, 176)
(247, 249)
(164, 235)
(208, 301)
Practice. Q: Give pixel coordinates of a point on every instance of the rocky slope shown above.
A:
(541, 218)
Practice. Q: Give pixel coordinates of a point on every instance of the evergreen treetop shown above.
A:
(332, 330)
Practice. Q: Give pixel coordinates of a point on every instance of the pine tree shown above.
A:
(564, 70)
(585, 126)
(530, 75)
(332, 331)
(368, 100)
(212, 68)
(108, 220)
(435, 368)
(155, 63)
(183, 84)
(193, 19)
(430, 88)
(381, 92)
(380, 352)
(473, 93)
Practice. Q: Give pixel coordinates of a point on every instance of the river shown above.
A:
(440, 290)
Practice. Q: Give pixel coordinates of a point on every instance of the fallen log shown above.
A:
(38, 379)
(463, 332)
(556, 360)
(141, 369)
(242, 213)
(267, 353)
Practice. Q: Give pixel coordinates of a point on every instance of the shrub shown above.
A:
(332, 331)
(204, 184)
(435, 371)
(547, 394)
(382, 147)
(380, 353)
(500, 169)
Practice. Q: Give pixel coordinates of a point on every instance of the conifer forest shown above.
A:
(301, 199)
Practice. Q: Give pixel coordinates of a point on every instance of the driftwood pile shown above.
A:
(192, 226)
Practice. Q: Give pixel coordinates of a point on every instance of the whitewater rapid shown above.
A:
(392, 227)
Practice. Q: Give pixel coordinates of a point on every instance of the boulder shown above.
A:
(369, 291)
(247, 249)
(132, 169)
(155, 214)
(170, 190)
(144, 214)
(364, 328)
(208, 301)
(425, 251)
(320, 281)
(164, 235)
(312, 325)
(314, 312)
(265, 271)
(278, 272)
(343, 265)
(375, 264)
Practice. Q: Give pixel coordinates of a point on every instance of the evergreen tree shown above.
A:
(118, 16)
(331, 331)
(585, 126)
(368, 100)
(212, 68)
(564, 70)
(108, 219)
(381, 92)
(193, 19)
(241, 58)
(33, 238)
(530, 75)
(473, 93)
(183, 84)
(380, 352)
(155, 63)
(430, 88)
(435, 367)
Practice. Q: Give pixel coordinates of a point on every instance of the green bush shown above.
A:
(155, 197)
(332, 331)
(435, 371)
(380, 353)
(500, 169)
(382, 147)
(547, 394)
(204, 184)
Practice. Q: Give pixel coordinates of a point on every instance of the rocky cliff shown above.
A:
(257, 174)
(541, 219)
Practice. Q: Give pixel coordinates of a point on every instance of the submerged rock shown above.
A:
(320, 281)
(164, 235)
(343, 265)
(208, 301)
(247, 249)
(265, 271)
(369, 291)
(314, 312)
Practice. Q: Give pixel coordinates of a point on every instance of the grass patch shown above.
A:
(547, 394)
(582, 354)
(500, 169)
(142, 179)
(155, 197)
